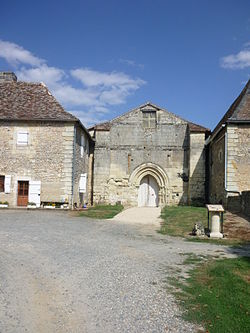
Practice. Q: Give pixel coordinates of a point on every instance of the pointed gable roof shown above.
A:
(105, 126)
(30, 101)
(239, 111)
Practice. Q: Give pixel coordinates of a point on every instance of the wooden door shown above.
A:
(148, 192)
(23, 193)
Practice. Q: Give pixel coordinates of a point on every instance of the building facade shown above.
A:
(229, 155)
(149, 157)
(44, 150)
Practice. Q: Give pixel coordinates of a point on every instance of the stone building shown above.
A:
(149, 157)
(44, 150)
(229, 155)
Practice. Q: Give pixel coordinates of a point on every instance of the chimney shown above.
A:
(7, 77)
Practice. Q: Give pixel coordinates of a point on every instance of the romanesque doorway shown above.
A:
(148, 194)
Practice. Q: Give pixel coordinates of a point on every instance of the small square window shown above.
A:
(22, 138)
(2, 179)
(149, 119)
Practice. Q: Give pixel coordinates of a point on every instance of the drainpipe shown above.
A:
(73, 169)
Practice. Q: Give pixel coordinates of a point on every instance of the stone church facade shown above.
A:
(149, 157)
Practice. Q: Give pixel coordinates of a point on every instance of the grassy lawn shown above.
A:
(217, 295)
(102, 211)
(180, 220)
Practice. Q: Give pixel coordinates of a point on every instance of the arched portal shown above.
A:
(158, 176)
(148, 193)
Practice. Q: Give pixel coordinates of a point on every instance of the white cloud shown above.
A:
(91, 78)
(49, 75)
(88, 92)
(240, 60)
(131, 63)
(88, 117)
(15, 54)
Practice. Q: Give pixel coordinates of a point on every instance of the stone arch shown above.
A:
(157, 173)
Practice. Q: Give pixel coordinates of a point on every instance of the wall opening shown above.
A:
(148, 193)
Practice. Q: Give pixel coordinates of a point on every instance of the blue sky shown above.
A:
(103, 58)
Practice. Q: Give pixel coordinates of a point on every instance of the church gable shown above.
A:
(148, 115)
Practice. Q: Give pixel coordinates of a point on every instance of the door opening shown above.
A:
(23, 193)
(148, 194)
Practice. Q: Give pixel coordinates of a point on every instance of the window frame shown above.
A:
(2, 183)
(148, 121)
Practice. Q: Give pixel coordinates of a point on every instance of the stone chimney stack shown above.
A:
(7, 77)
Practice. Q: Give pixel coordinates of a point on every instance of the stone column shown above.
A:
(215, 226)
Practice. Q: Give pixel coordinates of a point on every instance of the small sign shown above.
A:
(215, 208)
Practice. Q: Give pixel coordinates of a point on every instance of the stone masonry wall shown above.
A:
(47, 157)
(80, 165)
(238, 162)
(127, 145)
(217, 169)
(196, 185)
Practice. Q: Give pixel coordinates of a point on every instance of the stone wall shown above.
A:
(245, 203)
(80, 165)
(217, 169)
(47, 158)
(196, 185)
(127, 146)
(238, 160)
(227, 188)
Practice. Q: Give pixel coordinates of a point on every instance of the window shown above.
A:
(2, 179)
(82, 148)
(5, 183)
(149, 119)
(22, 138)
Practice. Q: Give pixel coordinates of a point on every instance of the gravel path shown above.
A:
(60, 273)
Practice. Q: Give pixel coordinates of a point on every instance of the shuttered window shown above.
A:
(2, 179)
(83, 183)
(22, 138)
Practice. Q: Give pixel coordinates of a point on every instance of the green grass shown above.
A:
(217, 295)
(223, 241)
(102, 211)
(180, 220)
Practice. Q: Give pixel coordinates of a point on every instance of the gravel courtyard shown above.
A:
(60, 273)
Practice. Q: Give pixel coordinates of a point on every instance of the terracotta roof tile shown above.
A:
(30, 101)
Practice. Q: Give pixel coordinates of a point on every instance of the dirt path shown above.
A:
(140, 215)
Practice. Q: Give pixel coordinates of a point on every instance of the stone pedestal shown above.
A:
(215, 226)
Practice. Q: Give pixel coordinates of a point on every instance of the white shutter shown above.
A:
(22, 138)
(83, 183)
(7, 183)
(82, 145)
(34, 192)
